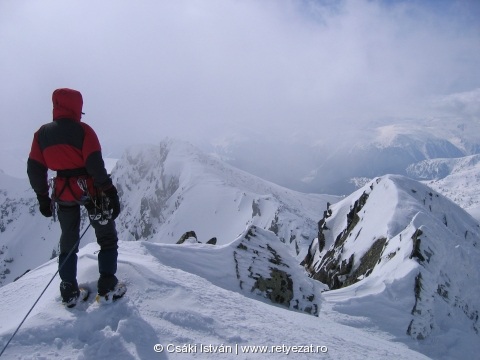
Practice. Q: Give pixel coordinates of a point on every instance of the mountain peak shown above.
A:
(172, 185)
(398, 231)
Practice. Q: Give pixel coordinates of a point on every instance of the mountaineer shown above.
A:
(71, 148)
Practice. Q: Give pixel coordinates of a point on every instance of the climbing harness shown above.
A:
(53, 204)
(101, 211)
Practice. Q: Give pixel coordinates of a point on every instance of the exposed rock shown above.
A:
(212, 241)
(332, 269)
(278, 287)
(267, 269)
(416, 253)
(187, 235)
(367, 263)
(256, 209)
(394, 233)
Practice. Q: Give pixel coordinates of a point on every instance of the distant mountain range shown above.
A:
(332, 163)
(456, 178)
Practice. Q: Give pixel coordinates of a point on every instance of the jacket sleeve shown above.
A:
(94, 163)
(37, 169)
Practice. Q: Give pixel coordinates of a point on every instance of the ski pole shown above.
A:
(38, 299)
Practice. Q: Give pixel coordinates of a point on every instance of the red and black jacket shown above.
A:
(69, 147)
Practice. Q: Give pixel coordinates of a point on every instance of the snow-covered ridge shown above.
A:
(165, 190)
(397, 238)
(174, 187)
(256, 264)
(408, 255)
(180, 304)
(415, 140)
(457, 178)
(435, 169)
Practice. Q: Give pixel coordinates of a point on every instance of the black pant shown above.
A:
(69, 218)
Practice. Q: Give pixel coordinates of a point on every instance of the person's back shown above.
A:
(71, 148)
(67, 145)
(61, 142)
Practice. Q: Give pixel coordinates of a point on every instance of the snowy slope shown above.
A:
(456, 178)
(411, 251)
(408, 255)
(174, 187)
(181, 304)
(27, 239)
(165, 190)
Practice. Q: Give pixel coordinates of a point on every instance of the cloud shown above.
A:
(465, 105)
(192, 69)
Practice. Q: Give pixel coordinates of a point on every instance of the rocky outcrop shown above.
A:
(143, 170)
(265, 268)
(189, 236)
(396, 234)
(333, 269)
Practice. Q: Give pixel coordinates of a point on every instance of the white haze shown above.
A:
(202, 70)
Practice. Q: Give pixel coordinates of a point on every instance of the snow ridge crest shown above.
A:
(397, 230)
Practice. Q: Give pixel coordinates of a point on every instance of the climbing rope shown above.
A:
(38, 299)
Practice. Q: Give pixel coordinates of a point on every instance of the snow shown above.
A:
(196, 297)
(456, 178)
(174, 188)
(173, 304)
(444, 308)
(110, 163)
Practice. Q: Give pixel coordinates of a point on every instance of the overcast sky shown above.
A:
(203, 68)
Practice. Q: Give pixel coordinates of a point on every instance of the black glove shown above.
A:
(114, 203)
(45, 205)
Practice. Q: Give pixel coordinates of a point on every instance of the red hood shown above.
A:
(67, 103)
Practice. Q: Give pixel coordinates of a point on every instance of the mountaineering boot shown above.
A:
(106, 283)
(116, 293)
(70, 293)
(109, 289)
